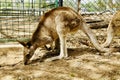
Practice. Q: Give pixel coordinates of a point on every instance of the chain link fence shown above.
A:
(94, 5)
(19, 18)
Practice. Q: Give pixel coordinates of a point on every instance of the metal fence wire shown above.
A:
(19, 18)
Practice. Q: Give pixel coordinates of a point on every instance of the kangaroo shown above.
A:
(113, 29)
(53, 27)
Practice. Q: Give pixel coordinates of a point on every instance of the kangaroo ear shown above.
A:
(22, 43)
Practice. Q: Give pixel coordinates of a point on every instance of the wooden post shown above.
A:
(78, 6)
(60, 2)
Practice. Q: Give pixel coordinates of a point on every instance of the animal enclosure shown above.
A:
(19, 18)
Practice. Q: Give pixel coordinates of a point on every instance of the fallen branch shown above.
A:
(93, 20)
(99, 25)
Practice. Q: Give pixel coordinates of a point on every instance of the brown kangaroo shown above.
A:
(54, 26)
(113, 29)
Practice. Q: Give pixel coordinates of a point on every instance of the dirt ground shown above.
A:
(84, 62)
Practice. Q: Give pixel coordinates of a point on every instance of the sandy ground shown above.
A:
(84, 62)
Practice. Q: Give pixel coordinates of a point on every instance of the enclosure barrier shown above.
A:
(19, 18)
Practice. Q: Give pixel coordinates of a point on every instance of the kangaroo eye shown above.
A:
(28, 46)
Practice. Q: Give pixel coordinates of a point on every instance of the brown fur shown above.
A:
(113, 29)
(54, 26)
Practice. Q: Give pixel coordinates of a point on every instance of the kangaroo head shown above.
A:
(28, 51)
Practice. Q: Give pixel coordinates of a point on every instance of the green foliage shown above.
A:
(89, 7)
(101, 5)
(28, 4)
(5, 4)
(70, 3)
(9, 4)
(117, 5)
(97, 5)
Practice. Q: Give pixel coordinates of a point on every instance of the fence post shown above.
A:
(78, 6)
(56, 3)
(60, 2)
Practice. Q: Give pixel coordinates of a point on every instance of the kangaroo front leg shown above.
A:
(63, 48)
(57, 46)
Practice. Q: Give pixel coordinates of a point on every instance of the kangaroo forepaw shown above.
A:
(55, 58)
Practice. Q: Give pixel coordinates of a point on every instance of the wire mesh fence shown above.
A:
(94, 5)
(19, 18)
